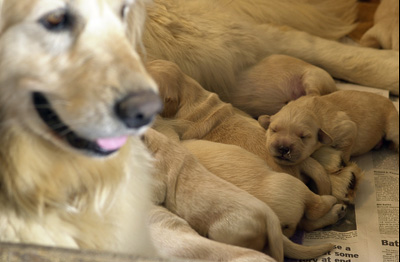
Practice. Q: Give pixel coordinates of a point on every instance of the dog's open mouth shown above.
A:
(101, 147)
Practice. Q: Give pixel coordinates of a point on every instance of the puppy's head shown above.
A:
(293, 135)
(69, 72)
(176, 88)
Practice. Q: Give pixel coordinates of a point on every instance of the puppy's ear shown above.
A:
(324, 138)
(169, 78)
(264, 121)
(171, 106)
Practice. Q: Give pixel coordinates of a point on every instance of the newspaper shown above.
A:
(370, 230)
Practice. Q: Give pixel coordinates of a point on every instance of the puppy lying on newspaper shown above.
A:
(216, 209)
(196, 113)
(298, 206)
(353, 122)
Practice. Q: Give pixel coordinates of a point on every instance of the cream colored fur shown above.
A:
(352, 121)
(176, 237)
(385, 32)
(214, 208)
(275, 81)
(287, 196)
(345, 180)
(214, 41)
(195, 113)
(52, 194)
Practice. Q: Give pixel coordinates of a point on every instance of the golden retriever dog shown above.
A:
(385, 32)
(74, 98)
(216, 209)
(292, 201)
(353, 122)
(215, 41)
(194, 113)
(275, 81)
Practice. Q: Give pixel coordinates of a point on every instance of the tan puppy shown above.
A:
(73, 170)
(213, 48)
(351, 121)
(385, 32)
(275, 81)
(176, 238)
(196, 113)
(289, 198)
(215, 208)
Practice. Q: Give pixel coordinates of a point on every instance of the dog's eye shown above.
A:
(57, 21)
(304, 137)
(124, 10)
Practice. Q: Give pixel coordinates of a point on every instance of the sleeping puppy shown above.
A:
(385, 32)
(288, 197)
(215, 208)
(195, 113)
(353, 122)
(275, 81)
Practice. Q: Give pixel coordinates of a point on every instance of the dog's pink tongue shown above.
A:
(111, 144)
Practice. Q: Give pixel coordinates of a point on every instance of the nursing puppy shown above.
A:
(73, 170)
(202, 37)
(275, 81)
(195, 113)
(215, 208)
(292, 201)
(385, 32)
(351, 121)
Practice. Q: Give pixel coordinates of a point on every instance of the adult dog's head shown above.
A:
(69, 72)
(294, 133)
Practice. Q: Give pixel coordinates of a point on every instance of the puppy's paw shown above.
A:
(345, 183)
(341, 210)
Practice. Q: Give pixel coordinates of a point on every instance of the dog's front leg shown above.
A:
(314, 170)
(365, 66)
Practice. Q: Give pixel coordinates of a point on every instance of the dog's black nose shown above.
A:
(283, 150)
(139, 109)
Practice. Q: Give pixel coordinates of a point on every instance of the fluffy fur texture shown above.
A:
(208, 45)
(214, 208)
(252, 174)
(352, 121)
(385, 32)
(194, 113)
(55, 190)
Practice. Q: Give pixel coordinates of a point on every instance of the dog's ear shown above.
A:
(264, 121)
(324, 137)
(135, 19)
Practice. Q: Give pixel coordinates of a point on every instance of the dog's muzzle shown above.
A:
(135, 111)
(138, 109)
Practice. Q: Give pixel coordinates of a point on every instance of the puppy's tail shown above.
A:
(296, 251)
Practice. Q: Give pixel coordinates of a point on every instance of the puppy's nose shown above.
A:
(283, 150)
(139, 109)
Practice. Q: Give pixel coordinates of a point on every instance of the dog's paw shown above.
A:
(345, 183)
(340, 210)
